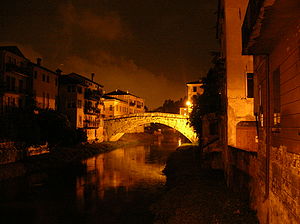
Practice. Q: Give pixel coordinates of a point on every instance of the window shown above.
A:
(73, 104)
(73, 89)
(48, 78)
(276, 96)
(69, 89)
(195, 89)
(44, 101)
(48, 100)
(21, 83)
(13, 83)
(35, 74)
(8, 82)
(110, 107)
(43, 77)
(79, 89)
(250, 85)
(79, 104)
(20, 103)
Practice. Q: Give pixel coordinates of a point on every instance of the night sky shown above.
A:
(149, 47)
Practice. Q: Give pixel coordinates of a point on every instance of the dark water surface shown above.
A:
(115, 187)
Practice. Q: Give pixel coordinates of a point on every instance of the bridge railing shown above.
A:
(155, 114)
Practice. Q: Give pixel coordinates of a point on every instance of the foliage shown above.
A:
(39, 127)
(212, 100)
(171, 106)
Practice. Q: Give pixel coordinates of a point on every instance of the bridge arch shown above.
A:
(116, 127)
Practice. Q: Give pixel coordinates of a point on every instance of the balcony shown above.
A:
(91, 110)
(22, 70)
(93, 94)
(89, 124)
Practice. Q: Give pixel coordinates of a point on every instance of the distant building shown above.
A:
(193, 89)
(14, 79)
(44, 86)
(119, 102)
(80, 100)
(114, 106)
(135, 104)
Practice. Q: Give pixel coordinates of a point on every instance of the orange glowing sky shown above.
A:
(149, 47)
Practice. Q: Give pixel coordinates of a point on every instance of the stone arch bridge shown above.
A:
(116, 127)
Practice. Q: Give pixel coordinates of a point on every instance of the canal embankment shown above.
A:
(194, 194)
(61, 157)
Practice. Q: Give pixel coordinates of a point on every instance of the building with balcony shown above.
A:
(15, 82)
(271, 33)
(114, 106)
(135, 104)
(80, 100)
(44, 86)
(119, 102)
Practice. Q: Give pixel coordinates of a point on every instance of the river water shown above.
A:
(115, 187)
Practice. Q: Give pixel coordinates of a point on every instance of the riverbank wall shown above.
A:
(17, 163)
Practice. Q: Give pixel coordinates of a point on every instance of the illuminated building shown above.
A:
(239, 72)
(14, 79)
(80, 100)
(119, 102)
(192, 90)
(44, 86)
(271, 33)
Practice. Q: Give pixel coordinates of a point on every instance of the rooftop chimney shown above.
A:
(93, 75)
(39, 61)
(58, 71)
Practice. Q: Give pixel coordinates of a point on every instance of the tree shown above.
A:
(212, 100)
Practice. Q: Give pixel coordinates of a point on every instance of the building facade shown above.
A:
(238, 71)
(80, 100)
(44, 86)
(15, 82)
(135, 104)
(117, 103)
(271, 33)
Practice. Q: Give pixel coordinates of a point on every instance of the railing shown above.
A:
(91, 124)
(9, 67)
(91, 110)
(93, 94)
(155, 114)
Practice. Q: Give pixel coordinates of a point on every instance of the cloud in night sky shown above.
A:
(150, 48)
(108, 26)
(119, 73)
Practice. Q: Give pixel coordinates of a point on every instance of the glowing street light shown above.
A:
(188, 103)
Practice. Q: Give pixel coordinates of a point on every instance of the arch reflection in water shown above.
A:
(122, 170)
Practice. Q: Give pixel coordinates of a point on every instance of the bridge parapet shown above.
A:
(115, 127)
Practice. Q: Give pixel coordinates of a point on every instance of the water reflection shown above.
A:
(123, 169)
(115, 187)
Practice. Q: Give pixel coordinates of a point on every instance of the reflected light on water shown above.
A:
(121, 169)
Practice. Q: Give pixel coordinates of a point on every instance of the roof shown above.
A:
(36, 65)
(75, 75)
(13, 49)
(119, 92)
(112, 98)
(195, 82)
